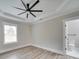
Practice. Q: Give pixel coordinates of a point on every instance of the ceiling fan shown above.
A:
(28, 9)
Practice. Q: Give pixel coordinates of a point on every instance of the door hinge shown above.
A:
(65, 48)
(65, 25)
(65, 37)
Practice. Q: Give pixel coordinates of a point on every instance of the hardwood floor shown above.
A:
(31, 52)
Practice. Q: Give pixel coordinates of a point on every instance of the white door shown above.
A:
(72, 38)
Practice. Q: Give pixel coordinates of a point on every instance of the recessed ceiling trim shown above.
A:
(65, 2)
(62, 5)
(12, 17)
(53, 16)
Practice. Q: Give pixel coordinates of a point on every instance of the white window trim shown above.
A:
(7, 23)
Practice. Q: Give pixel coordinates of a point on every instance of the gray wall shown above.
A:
(24, 34)
(49, 34)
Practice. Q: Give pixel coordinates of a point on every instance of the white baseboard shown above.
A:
(3, 51)
(49, 49)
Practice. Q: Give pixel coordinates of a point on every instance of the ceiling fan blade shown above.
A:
(36, 10)
(27, 5)
(22, 13)
(32, 14)
(19, 8)
(34, 4)
(24, 4)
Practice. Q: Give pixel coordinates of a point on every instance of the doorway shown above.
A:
(72, 37)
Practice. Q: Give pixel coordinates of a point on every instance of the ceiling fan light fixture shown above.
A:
(29, 9)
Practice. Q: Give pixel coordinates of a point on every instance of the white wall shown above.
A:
(49, 34)
(24, 35)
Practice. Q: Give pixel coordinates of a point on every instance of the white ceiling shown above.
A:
(49, 7)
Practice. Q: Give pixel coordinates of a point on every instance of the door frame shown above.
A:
(64, 29)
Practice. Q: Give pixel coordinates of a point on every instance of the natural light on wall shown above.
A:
(10, 33)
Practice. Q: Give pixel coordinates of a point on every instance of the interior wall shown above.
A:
(24, 34)
(49, 34)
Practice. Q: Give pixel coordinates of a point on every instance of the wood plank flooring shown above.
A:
(31, 52)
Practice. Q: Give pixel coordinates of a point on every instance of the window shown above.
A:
(10, 33)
